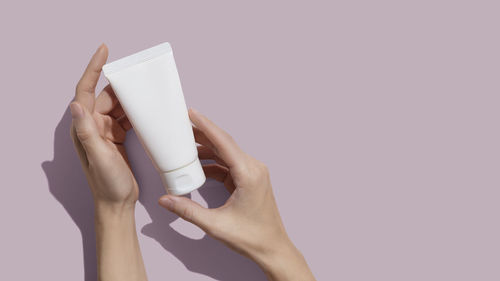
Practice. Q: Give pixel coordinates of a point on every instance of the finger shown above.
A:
(125, 123)
(201, 138)
(106, 101)
(107, 104)
(188, 210)
(221, 174)
(79, 147)
(86, 130)
(117, 112)
(110, 129)
(205, 152)
(85, 89)
(223, 144)
(119, 115)
(215, 171)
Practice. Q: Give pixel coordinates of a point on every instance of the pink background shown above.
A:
(378, 120)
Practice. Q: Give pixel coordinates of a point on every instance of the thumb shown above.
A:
(85, 128)
(188, 210)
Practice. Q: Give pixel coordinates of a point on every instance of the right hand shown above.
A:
(249, 222)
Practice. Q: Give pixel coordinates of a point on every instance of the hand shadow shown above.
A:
(206, 255)
(68, 185)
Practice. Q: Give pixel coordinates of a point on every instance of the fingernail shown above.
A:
(100, 47)
(166, 202)
(76, 110)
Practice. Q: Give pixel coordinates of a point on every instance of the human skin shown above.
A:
(249, 222)
(98, 131)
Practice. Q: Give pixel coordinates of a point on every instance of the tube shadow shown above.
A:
(68, 185)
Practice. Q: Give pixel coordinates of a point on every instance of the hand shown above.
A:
(98, 132)
(249, 222)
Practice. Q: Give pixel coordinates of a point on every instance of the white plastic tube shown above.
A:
(148, 87)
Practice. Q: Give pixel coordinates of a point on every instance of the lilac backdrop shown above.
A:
(379, 121)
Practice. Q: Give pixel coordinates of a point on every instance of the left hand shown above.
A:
(98, 131)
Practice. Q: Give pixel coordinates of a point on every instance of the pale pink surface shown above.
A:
(379, 121)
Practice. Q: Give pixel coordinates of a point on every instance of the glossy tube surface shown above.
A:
(148, 87)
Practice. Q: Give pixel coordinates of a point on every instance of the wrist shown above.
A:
(284, 262)
(118, 251)
(115, 222)
(113, 211)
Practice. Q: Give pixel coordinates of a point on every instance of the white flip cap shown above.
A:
(184, 180)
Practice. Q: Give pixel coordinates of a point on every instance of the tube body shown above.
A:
(148, 87)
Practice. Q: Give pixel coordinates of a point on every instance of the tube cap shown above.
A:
(184, 180)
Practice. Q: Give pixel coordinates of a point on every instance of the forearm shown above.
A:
(118, 253)
(284, 262)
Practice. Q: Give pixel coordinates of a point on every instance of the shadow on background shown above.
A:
(68, 185)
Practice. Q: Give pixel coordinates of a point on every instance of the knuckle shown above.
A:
(242, 174)
(83, 135)
(260, 172)
(187, 213)
(258, 167)
(251, 172)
